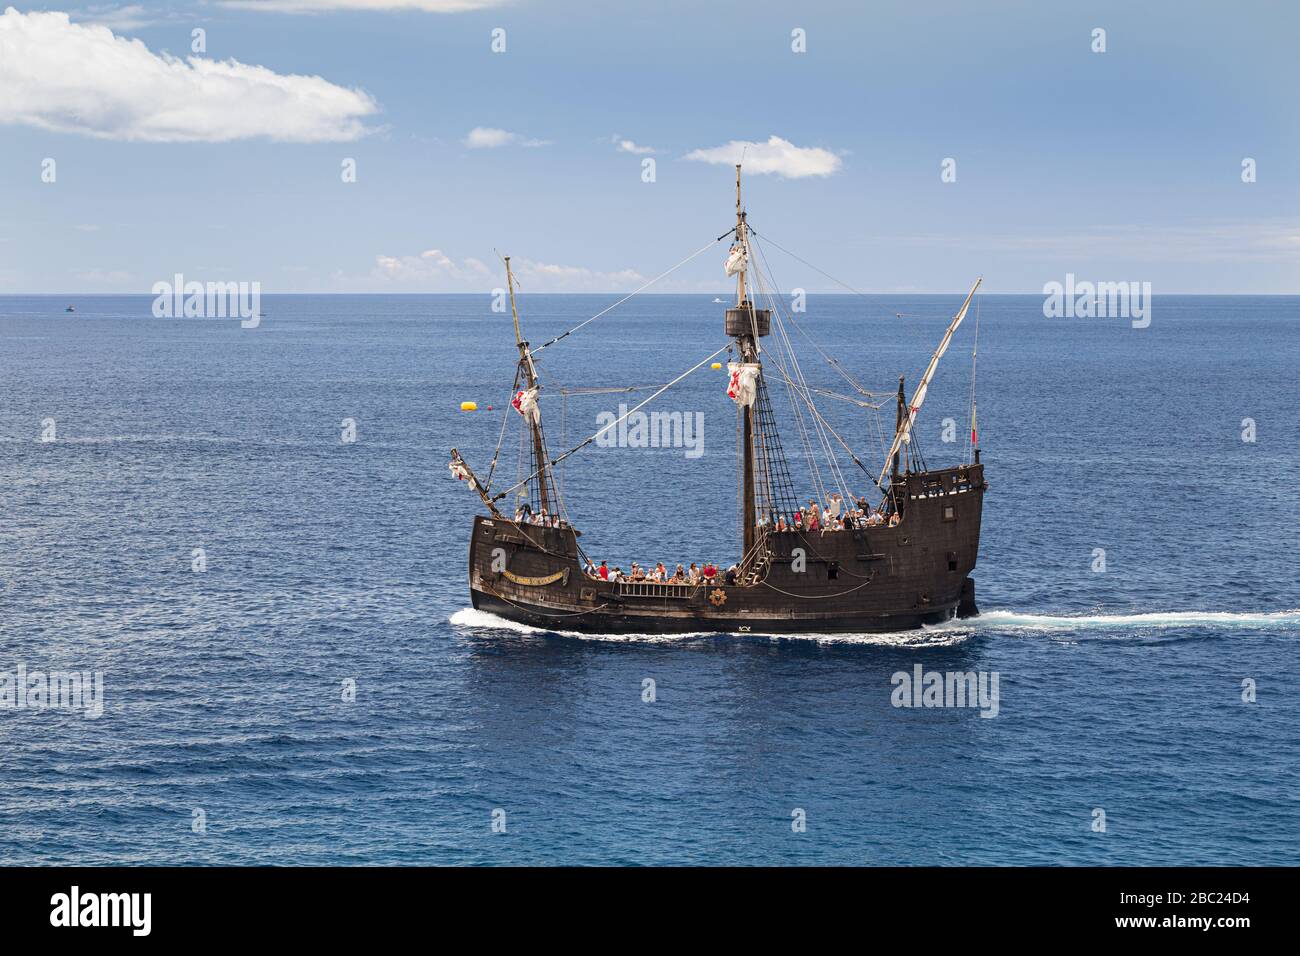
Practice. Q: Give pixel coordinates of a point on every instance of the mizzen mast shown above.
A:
(906, 419)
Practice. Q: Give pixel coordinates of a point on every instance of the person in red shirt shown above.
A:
(603, 571)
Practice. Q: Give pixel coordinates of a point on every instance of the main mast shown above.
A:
(743, 326)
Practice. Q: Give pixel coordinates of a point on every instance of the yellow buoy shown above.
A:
(469, 406)
(716, 365)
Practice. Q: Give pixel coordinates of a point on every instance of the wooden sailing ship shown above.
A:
(904, 563)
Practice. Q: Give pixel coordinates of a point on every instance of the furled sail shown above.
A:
(735, 260)
(525, 403)
(461, 473)
(918, 397)
(742, 384)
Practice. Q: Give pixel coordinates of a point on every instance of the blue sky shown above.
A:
(1123, 165)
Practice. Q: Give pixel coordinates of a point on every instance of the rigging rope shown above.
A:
(822, 426)
(698, 252)
(555, 461)
(830, 359)
(505, 418)
(809, 264)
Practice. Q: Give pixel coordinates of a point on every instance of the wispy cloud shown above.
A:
(777, 156)
(627, 146)
(116, 16)
(80, 78)
(319, 6)
(1219, 241)
(430, 264)
(545, 276)
(488, 137)
(436, 271)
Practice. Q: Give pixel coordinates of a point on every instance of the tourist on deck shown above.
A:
(602, 572)
(709, 572)
(730, 576)
(693, 574)
(661, 573)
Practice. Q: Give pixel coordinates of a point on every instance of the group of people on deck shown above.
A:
(834, 516)
(524, 514)
(659, 574)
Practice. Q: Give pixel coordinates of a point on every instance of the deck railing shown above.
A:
(655, 589)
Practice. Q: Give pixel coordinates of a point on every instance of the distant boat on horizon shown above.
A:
(71, 308)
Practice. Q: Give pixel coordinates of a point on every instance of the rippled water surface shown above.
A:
(327, 562)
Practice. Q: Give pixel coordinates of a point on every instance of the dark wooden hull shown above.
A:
(869, 579)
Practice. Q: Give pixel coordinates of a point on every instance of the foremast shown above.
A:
(525, 402)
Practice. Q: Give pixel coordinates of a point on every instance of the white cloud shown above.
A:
(318, 6)
(545, 276)
(627, 146)
(115, 17)
(431, 264)
(80, 78)
(488, 137)
(434, 269)
(777, 155)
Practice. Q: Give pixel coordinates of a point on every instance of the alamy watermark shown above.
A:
(208, 300)
(1099, 300)
(22, 689)
(923, 688)
(637, 429)
(75, 908)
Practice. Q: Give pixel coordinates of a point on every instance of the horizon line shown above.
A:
(489, 292)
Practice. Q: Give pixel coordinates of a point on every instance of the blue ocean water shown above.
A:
(331, 561)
